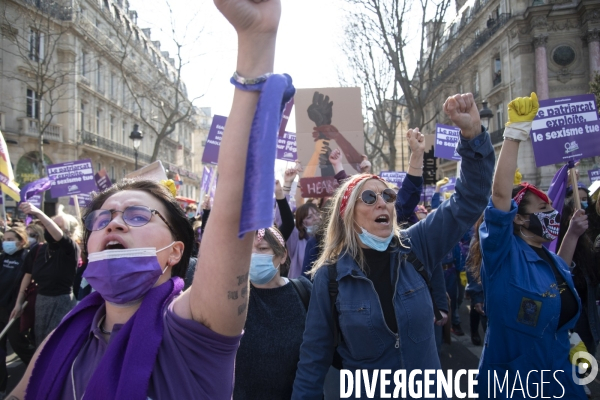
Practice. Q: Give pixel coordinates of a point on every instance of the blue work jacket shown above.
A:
(523, 305)
(367, 342)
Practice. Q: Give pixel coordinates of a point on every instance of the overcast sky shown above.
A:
(307, 48)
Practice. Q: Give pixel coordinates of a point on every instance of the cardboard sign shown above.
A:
(565, 128)
(329, 119)
(102, 180)
(594, 175)
(73, 177)
(446, 140)
(317, 187)
(213, 142)
(286, 147)
(154, 172)
(393, 177)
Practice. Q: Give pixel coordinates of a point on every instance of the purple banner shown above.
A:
(35, 187)
(213, 142)
(449, 187)
(285, 117)
(36, 200)
(102, 180)
(446, 138)
(84, 199)
(74, 177)
(286, 147)
(565, 128)
(393, 177)
(427, 194)
(594, 175)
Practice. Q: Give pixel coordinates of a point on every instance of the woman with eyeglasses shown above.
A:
(383, 307)
(53, 267)
(136, 336)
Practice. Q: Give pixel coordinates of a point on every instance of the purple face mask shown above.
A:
(124, 276)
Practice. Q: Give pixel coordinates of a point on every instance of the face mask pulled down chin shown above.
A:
(124, 276)
(375, 242)
(545, 224)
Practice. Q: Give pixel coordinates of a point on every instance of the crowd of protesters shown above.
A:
(143, 299)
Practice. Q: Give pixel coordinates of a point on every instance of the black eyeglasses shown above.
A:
(369, 197)
(135, 216)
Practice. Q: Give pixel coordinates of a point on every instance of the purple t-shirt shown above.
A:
(193, 362)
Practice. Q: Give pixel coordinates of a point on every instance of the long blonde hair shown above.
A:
(340, 236)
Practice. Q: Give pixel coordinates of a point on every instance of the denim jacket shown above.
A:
(367, 342)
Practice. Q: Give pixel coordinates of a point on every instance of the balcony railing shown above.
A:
(100, 142)
(497, 136)
(31, 127)
(52, 8)
(471, 49)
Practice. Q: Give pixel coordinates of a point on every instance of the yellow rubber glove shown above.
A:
(521, 112)
(442, 182)
(578, 347)
(518, 177)
(463, 278)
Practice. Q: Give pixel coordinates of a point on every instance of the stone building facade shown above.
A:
(501, 49)
(71, 69)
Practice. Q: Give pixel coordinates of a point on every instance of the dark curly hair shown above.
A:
(182, 229)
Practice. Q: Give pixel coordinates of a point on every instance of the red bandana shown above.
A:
(527, 186)
(350, 189)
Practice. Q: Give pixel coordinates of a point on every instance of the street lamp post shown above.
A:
(137, 136)
(485, 114)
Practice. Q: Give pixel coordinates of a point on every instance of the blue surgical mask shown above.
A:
(375, 242)
(32, 241)
(310, 230)
(584, 205)
(9, 247)
(262, 269)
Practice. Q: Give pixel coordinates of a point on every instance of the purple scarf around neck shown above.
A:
(125, 369)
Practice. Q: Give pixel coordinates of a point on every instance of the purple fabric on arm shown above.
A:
(262, 150)
(193, 362)
(557, 192)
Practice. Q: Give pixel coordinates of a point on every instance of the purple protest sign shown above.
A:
(448, 187)
(36, 200)
(286, 147)
(213, 142)
(35, 187)
(594, 175)
(427, 194)
(393, 177)
(84, 199)
(565, 128)
(102, 180)
(73, 177)
(285, 117)
(446, 138)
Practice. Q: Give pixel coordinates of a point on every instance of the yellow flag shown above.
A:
(7, 177)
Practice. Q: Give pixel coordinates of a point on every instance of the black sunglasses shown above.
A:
(135, 216)
(369, 197)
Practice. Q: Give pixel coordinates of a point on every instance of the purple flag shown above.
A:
(213, 141)
(36, 187)
(262, 149)
(557, 192)
(446, 139)
(102, 180)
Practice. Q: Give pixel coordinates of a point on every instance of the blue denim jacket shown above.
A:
(367, 342)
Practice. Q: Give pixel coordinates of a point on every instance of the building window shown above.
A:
(82, 127)
(98, 116)
(112, 173)
(113, 86)
(36, 45)
(499, 116)
(99, 165)
(497, 79)
(83, 64)
(124, 172)
(33, 104)
(99, 77)
(123, 132)
(476, 84)
(112, 128)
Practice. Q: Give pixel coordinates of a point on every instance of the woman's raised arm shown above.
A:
(219, 294)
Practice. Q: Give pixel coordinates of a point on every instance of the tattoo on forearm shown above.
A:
(242, 308)
(242, 279)
(232, 295)
(244, 292)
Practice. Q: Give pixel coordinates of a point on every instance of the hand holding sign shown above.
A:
(463, 112)
(521, 112)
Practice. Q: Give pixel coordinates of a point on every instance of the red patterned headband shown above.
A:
(260, 234)
(527, 186)
(355, 181)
